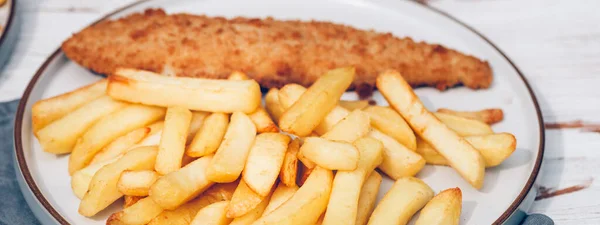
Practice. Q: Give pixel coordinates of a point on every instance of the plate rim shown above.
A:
(33, 188)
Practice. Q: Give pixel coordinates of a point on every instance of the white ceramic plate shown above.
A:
(46, 183)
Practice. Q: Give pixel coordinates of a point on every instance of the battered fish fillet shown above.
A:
(273, 52)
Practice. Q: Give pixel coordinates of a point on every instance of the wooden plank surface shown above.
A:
(555, 43)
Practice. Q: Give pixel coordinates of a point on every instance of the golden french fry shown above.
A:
(184, 214)
(264, 161)
(263, 121)
(238, 75)
(213, 214)
(459, 153)
(260, 117)
(272, 104)
(210, 135)
(391, 123)
(428, 153)
(306, 205)
(195, 124)
(120, 145)
(49, 110)
(80, 181)
(351, 128)
(290, 93)
(103, 187)
(172, 141)
(333, 118)
(368, 196)
(253, 215)
(331, 155)
(494, 148)
(305, 161)
(343, 202)
(176, 188)
(489, 116)
(108, 129)
(149, 88)
(401, 202)
(136, 183)
(463, 126)
(443, 209)
(398, 161)
(243, 201)
(289, 169)
(318, 100)
(281, 194)
(60, 136)
(353, 105)
(153, 138)
(139, 213)
(229, 161)
(130, 200)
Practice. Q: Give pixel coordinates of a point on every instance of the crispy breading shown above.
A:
(274, 52)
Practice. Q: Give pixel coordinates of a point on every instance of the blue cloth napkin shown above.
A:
(14, 209)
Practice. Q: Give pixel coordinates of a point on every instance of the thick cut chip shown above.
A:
(489, 116)
(136, 183)
(443, 209)
(289, 169)
(60, 136)
(48, 110)
(139, 213)
(108, 129)
(172, 141)
(210, 135)
(318, 100)
(243, 200)
(184, 214)
(290, 94)
(281, 194)
(306, 205)
(103, 187)
(213, 214)
(460, 154)
(391, 123)
(401, 202)
(272, 104)
(398, 161)
(368, 196)
(264, 161)
(464, 126)
(176, 188)
(343, 204)
(351, 128)
(331, 155)
(199, 94)
(229, 161)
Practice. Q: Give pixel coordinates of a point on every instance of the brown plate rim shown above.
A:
(46, 204)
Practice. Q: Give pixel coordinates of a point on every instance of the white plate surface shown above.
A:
(503, 184)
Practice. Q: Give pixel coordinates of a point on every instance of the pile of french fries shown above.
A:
(201, 151)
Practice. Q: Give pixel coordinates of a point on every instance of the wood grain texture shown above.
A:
(554, 42)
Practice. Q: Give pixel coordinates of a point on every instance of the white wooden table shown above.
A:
(556, 44)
